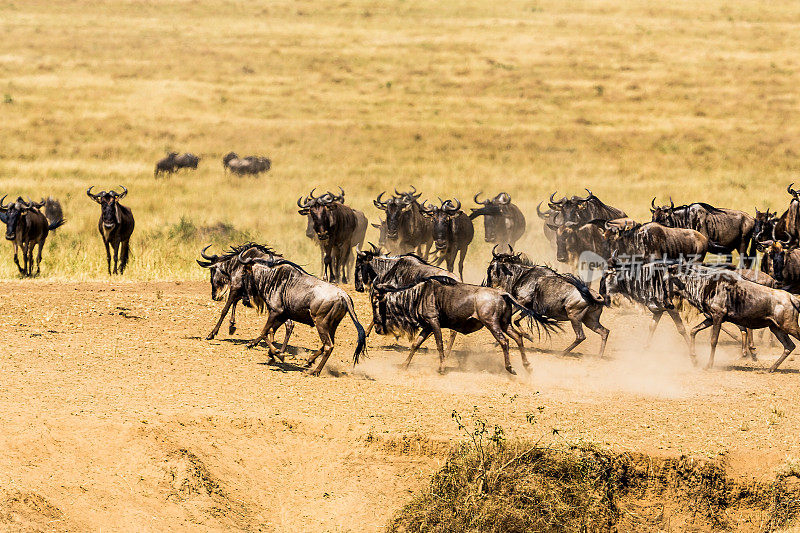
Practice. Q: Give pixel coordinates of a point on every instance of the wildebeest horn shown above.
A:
(552, 201)
(124, 192)
(303, 203)
(311, 194)
(671, 204)
(375, 249)
(792, 191)
(204, 255)
(478, 201)
(494, 254)
(543, 216)
(2, 205)
(378, 203)
(774, 238)
(429, 210)
(590, 193)
(451, 206)
(653, 204)
(92, 196)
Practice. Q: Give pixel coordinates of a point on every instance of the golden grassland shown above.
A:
(631, 98)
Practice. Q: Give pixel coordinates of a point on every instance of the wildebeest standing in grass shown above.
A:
(337, 229)
(115, 226)
(437, 303)
(452, 233)
(250, 164)
(724, 296)
(561, 297)
(503, 222)
(167, 165)
(407, 230)
(27, 228)
(288, 292)
(726, 229)
(187, 160)
(227, 275)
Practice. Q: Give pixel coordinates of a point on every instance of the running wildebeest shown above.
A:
(337, 228)
(782, 262)
(187, 160)
(250, 164)
(724, 296)
(727, 229)
(573, 239)
(503, 222)
(407, 229)
(652, 241)
(452, 233)
(561, 297)
(27, 228)
(288, 292)
(582, 210)
(787, 226)
(167, 165)
(549, 218)
(436, 303)
(227, 274)
(115, 226)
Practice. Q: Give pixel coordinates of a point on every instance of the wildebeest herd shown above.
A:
(415, 290)
(658, 265)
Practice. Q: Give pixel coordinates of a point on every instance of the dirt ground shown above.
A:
(117, 414)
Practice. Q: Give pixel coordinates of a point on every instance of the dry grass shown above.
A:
(632, 100)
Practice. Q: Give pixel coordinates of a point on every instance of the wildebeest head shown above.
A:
(764, 222)
(365, 272)
(319, 208)
(566, 239)
(775, 251)
(395, 206)
(493, 222)
(13, 212)
(442, 217)
(230, 156)
(664, 215)
(568, 209)
(219, 278)
(498, 267)
(109, 205)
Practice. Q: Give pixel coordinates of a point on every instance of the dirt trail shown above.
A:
(116, 411)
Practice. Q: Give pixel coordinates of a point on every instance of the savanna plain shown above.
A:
(117, 415)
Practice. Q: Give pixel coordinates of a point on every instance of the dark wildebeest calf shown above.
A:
(452, 233)
(503, 222)
(561, 297)
(724, 296)
(227, 274)
(167, 165)
(115, 226)
(425, 308)
(290, 293)
(27, 228)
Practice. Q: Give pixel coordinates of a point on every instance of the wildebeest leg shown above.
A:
(461, 263)
(326, 329)
(516, 337)
(451, 261)
(26, 266)
(228, 303)
(580, 336)
(497, 332)
(450, 345)
(676, 318)
(592, 321)
(653, 326)
(39, 256)
(521, 330)
(695, 330)
(116, 255)
(746, 348)
(16, 259)
(788, 346)
(752, 344)
(123, 256)
(371, 325)
(271, 318)
(232, 324)
(714, 339)
(273, 351)
(289, 326)
(437, 335)
(422, 336)
(108, 255)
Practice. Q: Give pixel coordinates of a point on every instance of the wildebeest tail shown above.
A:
(361, 345)
(541, 321)
(586, 292)
(53, 213)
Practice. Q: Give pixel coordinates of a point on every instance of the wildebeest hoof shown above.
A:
(210, 337)
(310, 372)
(232, 330)
(252, 344)
(511, 371)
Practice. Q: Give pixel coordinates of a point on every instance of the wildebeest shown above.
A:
(763, 224)
(726, 229)
(573, 239)
(381, 227)
(549, 219)
(187, 160)
(653, 241)
(115, 226)
(787, 226)
(27, 227)
(782, 262)
(290, 293)
(582, 210)
(250, 164)
(227, 275)
(503, 222)
(452, 233)
(561, 297)
(437, 303)
(407, 230)
(337, 228)
(724, 296)
(166, 165)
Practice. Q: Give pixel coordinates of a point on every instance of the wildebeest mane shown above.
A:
(234, 251)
